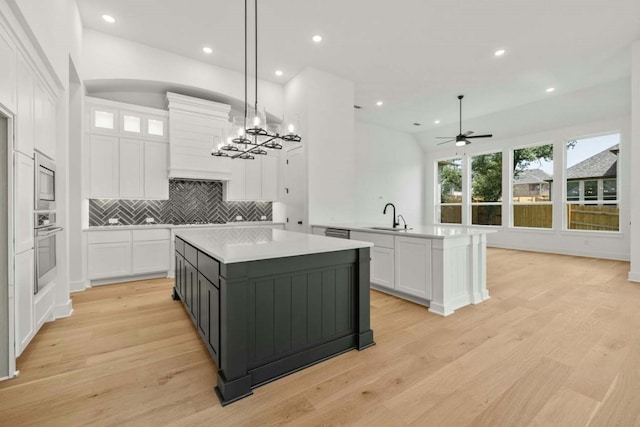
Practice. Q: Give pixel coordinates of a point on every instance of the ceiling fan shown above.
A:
(462, 138)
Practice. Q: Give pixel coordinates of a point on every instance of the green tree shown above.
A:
(450, 179)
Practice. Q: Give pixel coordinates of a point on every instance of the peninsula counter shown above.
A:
(269, 302)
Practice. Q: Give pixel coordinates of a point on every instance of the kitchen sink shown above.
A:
(389, 228)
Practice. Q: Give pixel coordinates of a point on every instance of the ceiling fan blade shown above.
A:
(481, 136)
(444, 142)
(444, 137)
(467, 133)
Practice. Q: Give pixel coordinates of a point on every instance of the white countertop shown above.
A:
(430, 231)
(240, 244)
(181, 226)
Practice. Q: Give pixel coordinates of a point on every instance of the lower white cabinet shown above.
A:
(24, 285)
(382, 267)
(151, 256)
(109, 260)
(413, 266)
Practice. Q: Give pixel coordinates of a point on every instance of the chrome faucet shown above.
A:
(395, 221)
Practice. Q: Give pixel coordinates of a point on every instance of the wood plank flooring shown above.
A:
(558, 344)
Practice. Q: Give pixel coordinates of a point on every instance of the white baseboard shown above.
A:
(634, 276)
(562, 251)
(63, 310)
(78, 286)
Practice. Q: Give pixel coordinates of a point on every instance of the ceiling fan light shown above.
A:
(461, 143)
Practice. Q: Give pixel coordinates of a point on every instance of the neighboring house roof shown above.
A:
(601, 165)
(532, 176)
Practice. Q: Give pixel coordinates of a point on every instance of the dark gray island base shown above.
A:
(267, 318)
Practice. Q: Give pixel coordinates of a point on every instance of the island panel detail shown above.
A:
(263, 319)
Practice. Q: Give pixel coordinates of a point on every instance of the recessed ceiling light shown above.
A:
(317, 38)
(108, 18)
(207, 50)
(550, 89)
(499, 52)
(379, 103)
(416, 124)
(436, 122)
(279, 73)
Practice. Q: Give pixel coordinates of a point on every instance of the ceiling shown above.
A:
(415, 55)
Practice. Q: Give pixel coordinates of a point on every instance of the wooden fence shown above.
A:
(605, 218)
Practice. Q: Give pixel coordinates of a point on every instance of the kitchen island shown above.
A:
(441, 267)
(269, 302)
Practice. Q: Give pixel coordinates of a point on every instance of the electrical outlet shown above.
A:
(239, 218)
(263, 218)
(150, 220)
(114, 220)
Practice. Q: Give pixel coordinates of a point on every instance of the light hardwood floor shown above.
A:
(558, 344)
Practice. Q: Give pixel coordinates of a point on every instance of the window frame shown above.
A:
(438, 204)
(470, 201)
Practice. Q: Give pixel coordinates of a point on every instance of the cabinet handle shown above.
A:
(299, 222)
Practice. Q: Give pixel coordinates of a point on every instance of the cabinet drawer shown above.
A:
(180, 246)
(191, 254)
(209, 268)
(119, 236)
(154, 234)
(378, 240)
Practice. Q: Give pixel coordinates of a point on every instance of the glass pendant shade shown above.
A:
(291, 129)
(256, 121)
(238, 130)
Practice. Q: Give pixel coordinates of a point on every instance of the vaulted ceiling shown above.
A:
(414, 55)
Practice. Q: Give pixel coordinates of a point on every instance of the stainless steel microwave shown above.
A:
(45, 183)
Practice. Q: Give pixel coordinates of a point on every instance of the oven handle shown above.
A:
(48, 232)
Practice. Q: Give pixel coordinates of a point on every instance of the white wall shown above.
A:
(634, 274)
(111, 58)
(324, 104)
(389, 168)
(583, 243)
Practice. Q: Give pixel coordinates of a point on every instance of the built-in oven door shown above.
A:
(45, 183)
(45, 254)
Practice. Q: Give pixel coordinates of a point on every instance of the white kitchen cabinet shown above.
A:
(269, 180)
(44, 119)
(383, 267)
(109, 260)
(151, 256)
(104, 166)
(24, 310)
(7, 71)
(235, 188)
(156, 166)
(253, 178)
(23, 228)
(131, 167)
(24, 130)
(413, 266)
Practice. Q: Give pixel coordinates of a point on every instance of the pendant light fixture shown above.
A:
(250, 134)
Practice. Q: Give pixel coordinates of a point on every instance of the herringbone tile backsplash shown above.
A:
(189, 202)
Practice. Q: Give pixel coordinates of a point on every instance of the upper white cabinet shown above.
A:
(196, 126)
(7, 71)
(253, 180)
(44, 120)
(127, 150)
(24, 132)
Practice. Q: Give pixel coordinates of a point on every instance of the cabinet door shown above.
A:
(382, 267)
(156, 170)
(48, 146)
(25, 109)
(39, 96)
(253, 179)
(213, 337)
(106, 260)
(179, 261)
(7, 70)
(151, 256)
(413, 266)
(131, 168)
(191, 277)
(24, 174)
(24, 284)
(269, 179)
(203, 307)
(104, 167)
(236, 185)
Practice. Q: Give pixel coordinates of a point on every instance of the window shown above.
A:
(532, 183)
(592, 183)
(103, 119)
(131, 123)
(486, 189)
(449, 207)
(155, 127)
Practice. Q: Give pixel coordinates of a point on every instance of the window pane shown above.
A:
(532, 174)
(592, 163)
(103, 120)
(534, 215)
(486, 214)
(573, 190)
(486, 178)
(601, 218)
(451, 214)
(132, 124)
(450, 181)
(155, 127)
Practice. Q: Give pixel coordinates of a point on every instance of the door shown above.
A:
(6, 290)
(296, 190)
